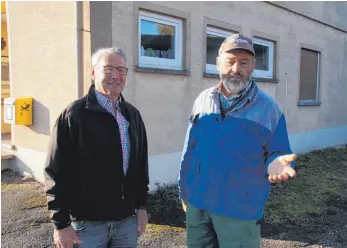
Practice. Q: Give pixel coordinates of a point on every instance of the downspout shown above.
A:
(79, 24)
(83, 43)
(286, 96)
(9, 49)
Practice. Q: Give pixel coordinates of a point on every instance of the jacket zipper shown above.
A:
(122, 192)
(122, 186)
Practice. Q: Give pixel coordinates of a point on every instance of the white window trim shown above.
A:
(211, 68)
(163, 63)
(263, 73)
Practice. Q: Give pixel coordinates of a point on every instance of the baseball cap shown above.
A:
(235, 42)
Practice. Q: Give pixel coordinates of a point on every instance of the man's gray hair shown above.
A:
(101, 52)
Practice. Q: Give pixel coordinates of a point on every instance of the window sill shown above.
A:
(210, 75)
(162, 71)
(309, 103)
(266, 80)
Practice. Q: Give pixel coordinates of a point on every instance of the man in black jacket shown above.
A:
(96, 174)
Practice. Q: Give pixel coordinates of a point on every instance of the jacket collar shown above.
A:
(92, 102)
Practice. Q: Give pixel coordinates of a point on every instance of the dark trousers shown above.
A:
(206, 230)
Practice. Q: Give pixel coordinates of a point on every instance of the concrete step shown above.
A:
(6, 156)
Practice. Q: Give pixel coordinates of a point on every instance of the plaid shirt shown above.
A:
(123, 125)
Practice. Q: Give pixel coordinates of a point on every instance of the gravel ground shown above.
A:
(25, 221)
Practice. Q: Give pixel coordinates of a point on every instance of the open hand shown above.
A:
(280, 170)
(66, 238)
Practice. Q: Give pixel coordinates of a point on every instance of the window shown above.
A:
(264, 54)
(309, 75)
(215, 38)
(160, 41)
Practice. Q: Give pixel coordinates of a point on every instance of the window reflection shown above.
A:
(157, 40)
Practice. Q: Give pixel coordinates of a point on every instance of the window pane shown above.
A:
(157, 40)
(262, 57)
(308, 74)
(213, 44)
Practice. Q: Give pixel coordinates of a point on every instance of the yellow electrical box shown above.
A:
(18, 111)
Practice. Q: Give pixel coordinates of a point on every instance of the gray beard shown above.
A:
(232, 85)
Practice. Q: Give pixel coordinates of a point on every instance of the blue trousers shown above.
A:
(107, 234)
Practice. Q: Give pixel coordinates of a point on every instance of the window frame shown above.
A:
(162, 63)
(211, 68)
(269, 74)
(315, 102)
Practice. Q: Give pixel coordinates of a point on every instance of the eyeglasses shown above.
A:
(109, 70)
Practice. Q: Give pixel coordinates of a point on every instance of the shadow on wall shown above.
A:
(41, 119)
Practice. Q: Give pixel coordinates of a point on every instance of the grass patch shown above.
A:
(320, 180)
(5, 186)
(160, 230)
(46, 212)
(39, 201)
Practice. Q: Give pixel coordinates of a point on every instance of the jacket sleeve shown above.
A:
(187, 149)
(184, 164)
(278, 143)
(59, 171)
(142, 194)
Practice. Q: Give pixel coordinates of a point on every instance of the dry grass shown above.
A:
(159, 231)
(13, 186)
(319, 186)
(36, 202)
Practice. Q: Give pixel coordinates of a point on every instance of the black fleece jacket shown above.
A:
(84, 178)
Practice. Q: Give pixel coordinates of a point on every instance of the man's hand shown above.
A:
(184, 206)
(142, 220)
(280, 170)
(65, 238)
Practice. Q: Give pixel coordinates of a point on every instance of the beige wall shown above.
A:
(51, 75)
(165, 100)
(330, 12)
(50, 45)
(43, 59)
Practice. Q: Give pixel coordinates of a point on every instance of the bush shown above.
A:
(165, 207)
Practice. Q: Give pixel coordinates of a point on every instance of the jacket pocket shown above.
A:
(194, 166)
(134, 138)
(194, 118)
(79, 225)
(89, 228)
(195, 163)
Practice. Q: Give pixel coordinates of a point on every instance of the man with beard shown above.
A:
(96, 174)
(236, 146)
